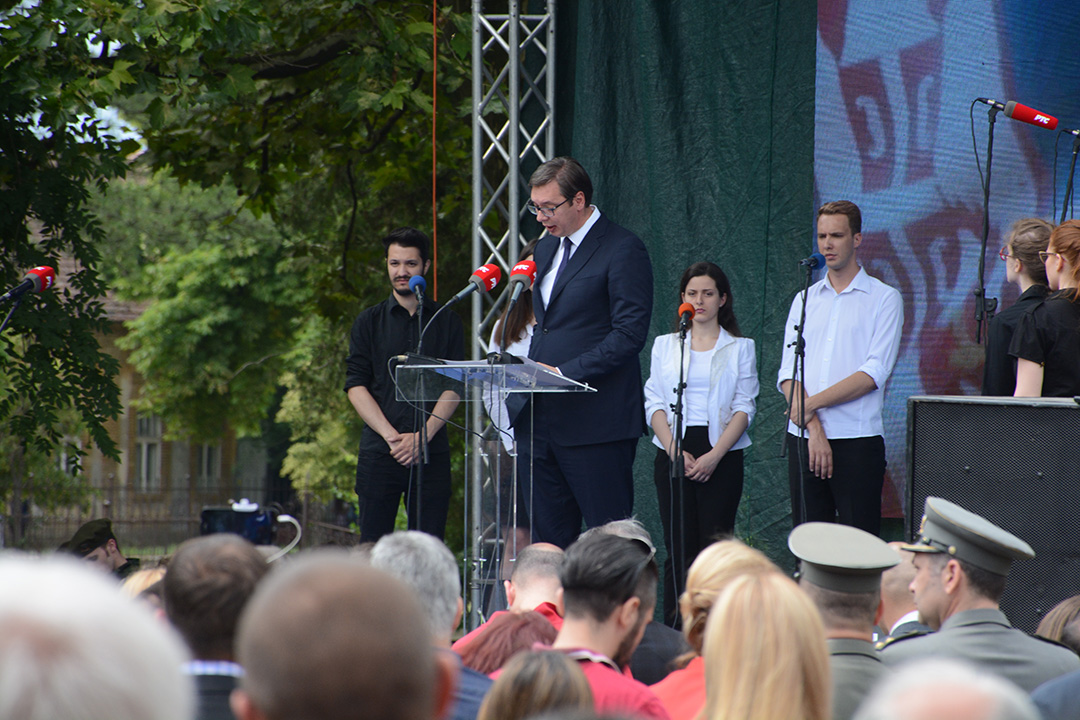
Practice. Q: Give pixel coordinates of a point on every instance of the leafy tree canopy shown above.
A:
(314, 113)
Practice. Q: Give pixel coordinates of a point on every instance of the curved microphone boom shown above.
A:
(36, 280)
(484, 278)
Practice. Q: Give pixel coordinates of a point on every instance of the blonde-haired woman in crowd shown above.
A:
(1047, 340)
(683, 691)
(765, 653)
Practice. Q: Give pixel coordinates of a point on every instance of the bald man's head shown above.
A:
(535, 578)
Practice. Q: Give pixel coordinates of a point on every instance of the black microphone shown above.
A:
(35, 280)
(813, 262)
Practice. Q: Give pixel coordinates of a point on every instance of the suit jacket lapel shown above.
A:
(544, 255)
(589, 245)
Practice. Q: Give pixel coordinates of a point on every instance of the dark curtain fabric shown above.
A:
(695, 120)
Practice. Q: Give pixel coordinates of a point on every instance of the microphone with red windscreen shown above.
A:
(1023, 113)
(36, 280)
(686, 312)
(484, 279)
(522, 276)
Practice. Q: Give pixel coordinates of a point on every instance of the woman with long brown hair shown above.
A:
(718, 366)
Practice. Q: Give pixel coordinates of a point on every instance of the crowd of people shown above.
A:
(374, 632)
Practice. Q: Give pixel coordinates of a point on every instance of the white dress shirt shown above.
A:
(857, 329)
(548, 281)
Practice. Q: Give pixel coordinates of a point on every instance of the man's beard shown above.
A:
(630, 642)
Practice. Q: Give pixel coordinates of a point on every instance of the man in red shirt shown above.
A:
(609, 594)
(533, 585)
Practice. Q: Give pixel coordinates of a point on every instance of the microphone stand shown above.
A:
(985, 307)
(1066, 201)
(419, 413)
(677, 469)
(18, 301)
(798, 382)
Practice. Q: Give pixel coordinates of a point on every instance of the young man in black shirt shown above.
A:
(388, 461)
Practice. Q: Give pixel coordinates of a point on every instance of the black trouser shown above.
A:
(709, 510)
(570, 484)
(380, 483)
(852, 496)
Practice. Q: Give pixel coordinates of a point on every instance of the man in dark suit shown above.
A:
(593, 303)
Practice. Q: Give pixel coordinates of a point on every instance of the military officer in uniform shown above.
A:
(840, 570)
(961, 563)
(96, 543)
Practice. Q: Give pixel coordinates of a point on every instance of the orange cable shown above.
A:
(434, 104)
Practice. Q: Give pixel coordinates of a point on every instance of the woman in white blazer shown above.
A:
(720, 372)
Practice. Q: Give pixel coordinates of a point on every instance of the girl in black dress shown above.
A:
(1026, 239)
(1047, 340)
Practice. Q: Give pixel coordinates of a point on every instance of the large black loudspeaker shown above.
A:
(1016, 462)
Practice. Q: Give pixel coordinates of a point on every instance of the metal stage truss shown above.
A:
(513, 73)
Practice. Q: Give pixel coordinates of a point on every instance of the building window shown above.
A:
(208, 467)
(148, 453)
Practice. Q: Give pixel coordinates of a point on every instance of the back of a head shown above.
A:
(711, 571)
(601, 572)
(504, 637)
(536, 563)
(765, 653)
(896, 581)
(844, 610)
(537, 682)
(327, 635)
(72, 647)
(1065, 239)
(943, 689)
(1027, 237)
(210, 580)
(629, 528)
(1062, 623)
(427, 566)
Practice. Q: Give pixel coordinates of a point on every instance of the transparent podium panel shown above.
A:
(426, 379)
(498, 488)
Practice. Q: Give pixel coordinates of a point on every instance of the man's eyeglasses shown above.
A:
(1043, 254)
(1004, 254)
(545, 211)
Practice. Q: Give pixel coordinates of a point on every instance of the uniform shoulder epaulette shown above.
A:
(881, 645)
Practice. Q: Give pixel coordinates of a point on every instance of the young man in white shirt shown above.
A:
(836, 448)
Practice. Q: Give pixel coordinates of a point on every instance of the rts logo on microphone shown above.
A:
(1041, 119)
(489, 275)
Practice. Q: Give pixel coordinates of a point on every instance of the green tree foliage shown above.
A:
(52, 148)
(315, 114)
